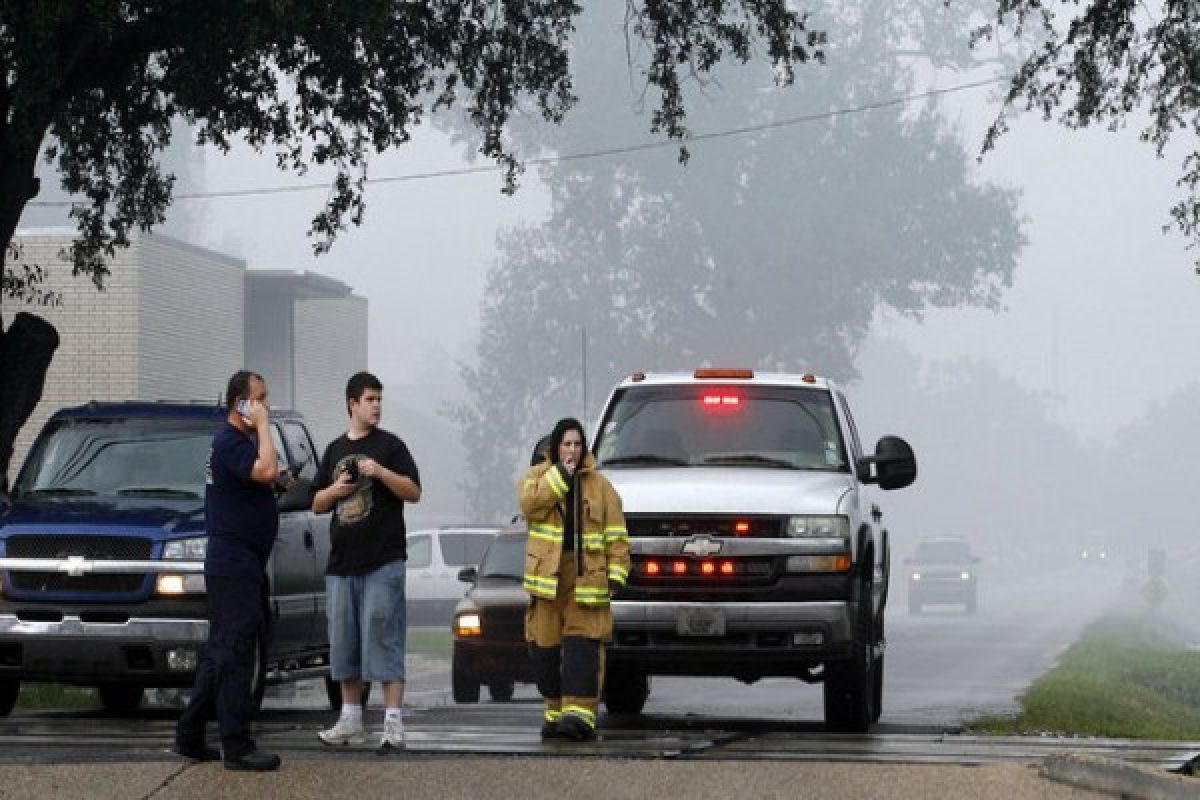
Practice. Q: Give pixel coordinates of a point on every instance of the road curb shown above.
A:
(1119, 778)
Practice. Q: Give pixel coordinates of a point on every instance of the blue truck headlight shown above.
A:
(186, 549)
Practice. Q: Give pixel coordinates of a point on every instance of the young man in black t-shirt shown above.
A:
(366, 476)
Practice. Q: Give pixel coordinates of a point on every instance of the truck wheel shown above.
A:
(850, 685)
(333, 691)
(120, 698)
(463, 685)
(9, 689)
(501, 691)
(625, 689)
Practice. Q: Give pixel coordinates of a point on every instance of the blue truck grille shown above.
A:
(119, 548)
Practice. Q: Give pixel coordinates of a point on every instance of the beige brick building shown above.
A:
(172, 322)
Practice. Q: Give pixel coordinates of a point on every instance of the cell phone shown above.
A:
(243, 408)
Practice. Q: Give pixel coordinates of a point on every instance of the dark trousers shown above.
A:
(226, 670)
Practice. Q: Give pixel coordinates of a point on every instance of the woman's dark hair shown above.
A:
(239, 387)
(560, 430)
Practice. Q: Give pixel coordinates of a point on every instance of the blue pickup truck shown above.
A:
(102, 553)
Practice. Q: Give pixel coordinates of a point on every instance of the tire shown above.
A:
(850, 685)
(333, 691)
(464, 686)
(501, 691)
(625, 689)
(120, 698)
(9, 690)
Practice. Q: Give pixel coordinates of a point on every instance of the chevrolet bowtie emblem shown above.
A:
(75, 566)
(702, 546)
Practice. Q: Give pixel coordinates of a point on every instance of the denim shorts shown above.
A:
(367, 624)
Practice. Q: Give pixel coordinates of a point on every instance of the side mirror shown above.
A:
(298, 497)
(895, 465)
(468, 574)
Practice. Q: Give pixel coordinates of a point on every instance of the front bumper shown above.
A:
(495, 661)
(770, 638)
(71, 650)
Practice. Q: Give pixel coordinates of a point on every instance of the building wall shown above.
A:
(168, 325)
(191, 307)
(269, 349)
(330, 346)
(97, 351)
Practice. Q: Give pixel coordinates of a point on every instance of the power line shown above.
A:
(602, 153)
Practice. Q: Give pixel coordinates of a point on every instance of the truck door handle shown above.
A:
(309, 542)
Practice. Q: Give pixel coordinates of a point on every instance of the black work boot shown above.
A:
(573, 727)
(550, 730)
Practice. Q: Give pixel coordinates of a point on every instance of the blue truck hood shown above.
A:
(169, 517)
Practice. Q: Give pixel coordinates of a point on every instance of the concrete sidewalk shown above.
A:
(522, 778)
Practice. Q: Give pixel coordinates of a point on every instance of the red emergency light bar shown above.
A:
(721, 401)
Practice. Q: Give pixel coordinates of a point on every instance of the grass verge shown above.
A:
(56, 695)
(430, 642)
(1125, 677)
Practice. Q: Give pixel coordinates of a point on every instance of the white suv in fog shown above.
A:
(756, 551)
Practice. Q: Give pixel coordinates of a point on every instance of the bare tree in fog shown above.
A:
(772, 248)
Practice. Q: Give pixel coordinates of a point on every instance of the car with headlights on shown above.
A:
(942, 571)
(489, 624)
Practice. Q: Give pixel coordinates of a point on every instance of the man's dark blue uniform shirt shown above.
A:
(241, 515)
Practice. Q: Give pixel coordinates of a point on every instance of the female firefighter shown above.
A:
(576, 557)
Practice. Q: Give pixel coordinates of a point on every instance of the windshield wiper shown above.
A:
(156, 491)
(62, 491)
(750, 458)
(646, 458)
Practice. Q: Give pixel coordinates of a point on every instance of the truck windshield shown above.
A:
(135, 457)
(505, 558)
(772, 427)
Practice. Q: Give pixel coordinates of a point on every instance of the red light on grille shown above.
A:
(679, 567)
(708, 568)
(741, 528)
(653, 568)
(726, 567)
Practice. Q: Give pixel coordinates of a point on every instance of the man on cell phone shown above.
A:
(241, 519)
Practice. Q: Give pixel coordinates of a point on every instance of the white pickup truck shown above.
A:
(756, 550)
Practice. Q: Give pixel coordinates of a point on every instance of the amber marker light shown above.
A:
(468, 624)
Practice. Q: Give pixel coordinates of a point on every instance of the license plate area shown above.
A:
(700, 621)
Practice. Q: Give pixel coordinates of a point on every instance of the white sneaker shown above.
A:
(393, 735)
(344, 732)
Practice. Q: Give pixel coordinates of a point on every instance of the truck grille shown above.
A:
(713, 525)
(689, 572)
(113, 548)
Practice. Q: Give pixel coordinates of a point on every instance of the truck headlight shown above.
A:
(186, 549)
(831, 526)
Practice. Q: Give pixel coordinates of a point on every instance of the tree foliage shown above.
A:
(94, 87)
(1099, 61)
(315, 82)
(773, 248)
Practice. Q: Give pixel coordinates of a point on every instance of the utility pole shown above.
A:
(583, 349)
